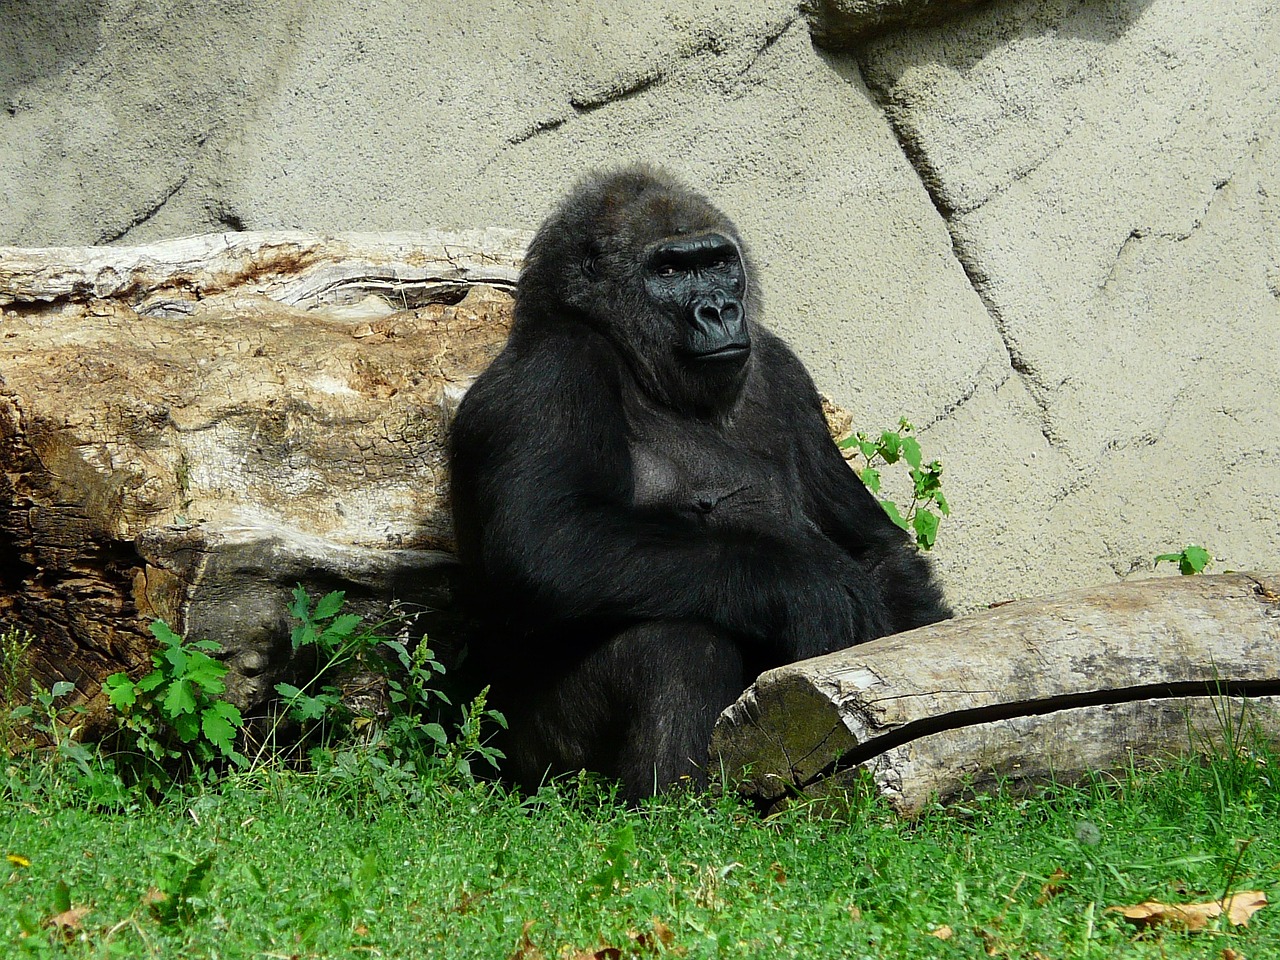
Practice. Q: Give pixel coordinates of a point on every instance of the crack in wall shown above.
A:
(770, 38)
(617, 92)
(148, 213)
(978, 280)
(1140, 234)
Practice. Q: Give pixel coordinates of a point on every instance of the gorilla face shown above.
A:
(699, 281)
(661, 273)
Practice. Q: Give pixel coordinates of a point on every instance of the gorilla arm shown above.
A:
(543, 495)
(899, 579)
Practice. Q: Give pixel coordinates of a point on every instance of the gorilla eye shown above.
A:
(667, 270)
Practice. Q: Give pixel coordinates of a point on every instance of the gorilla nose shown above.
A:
(727, 314)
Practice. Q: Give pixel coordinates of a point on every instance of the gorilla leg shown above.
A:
(640, 707)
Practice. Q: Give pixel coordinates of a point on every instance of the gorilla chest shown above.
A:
(707, 479)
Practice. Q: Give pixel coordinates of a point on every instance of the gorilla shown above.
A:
(649, 508)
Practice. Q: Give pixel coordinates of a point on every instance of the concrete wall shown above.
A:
(1044, 230)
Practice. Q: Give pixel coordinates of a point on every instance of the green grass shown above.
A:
(276, 865)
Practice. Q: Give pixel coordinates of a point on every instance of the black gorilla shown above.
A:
(648, 505)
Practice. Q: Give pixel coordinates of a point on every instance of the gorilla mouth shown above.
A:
(724, 351)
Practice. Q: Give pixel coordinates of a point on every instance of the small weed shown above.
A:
(181, 889)
(57, 764)
(918, 517)
(407, 739)
(1191, 560)
(15, 680)
(173, 713)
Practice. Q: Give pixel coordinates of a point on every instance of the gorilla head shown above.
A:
(648, 506)
(661, 272)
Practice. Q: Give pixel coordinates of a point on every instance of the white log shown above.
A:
(1056, 687)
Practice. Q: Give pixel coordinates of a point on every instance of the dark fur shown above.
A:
(645, 532)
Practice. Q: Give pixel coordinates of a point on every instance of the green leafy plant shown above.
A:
(174, 712)
(339, 645)
(618, 856)
(181, 888)
(1191, 560)
(922, 515)
(407, 738)
(15, 679)
(58, 765)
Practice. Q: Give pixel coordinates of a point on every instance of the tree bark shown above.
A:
(188, 429)
(1036, 690)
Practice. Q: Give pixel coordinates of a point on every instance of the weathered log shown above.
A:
(190, 428)
(1091, 680)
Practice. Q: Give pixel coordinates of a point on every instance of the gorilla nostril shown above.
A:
(731, 313)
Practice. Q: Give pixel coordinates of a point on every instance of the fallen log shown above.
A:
(189, 429)
(1029, 692)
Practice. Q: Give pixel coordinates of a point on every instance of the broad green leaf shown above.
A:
(152, 681)
(203, 670)
(911, 451)
(303, 635)
(300, 608)
(436, 733)
(162, 632)
(62, 688)
(120, 690)
(219, 725)
(341, 628)
(891, 509)
(1194, 559)
(925, 523)
(890, 446)
(330, 604)
(177, 658)
(179, 700)
(871, 479)
(187, 726)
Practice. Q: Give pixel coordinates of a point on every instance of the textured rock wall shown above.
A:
(1044, 231)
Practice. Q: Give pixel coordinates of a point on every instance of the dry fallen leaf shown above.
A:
(1229, 954)
(1239, 907)
(942, 933)
(1053, 886)
(661, 937)
(991, 944)
(68, 921)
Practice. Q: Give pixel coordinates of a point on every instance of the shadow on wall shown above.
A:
(38, 38)
(973, 34)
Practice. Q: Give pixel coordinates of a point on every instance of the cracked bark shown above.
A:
(1034, 690)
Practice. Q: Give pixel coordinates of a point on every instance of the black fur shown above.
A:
(647, 501)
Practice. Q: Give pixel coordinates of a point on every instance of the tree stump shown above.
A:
(1033, 691)
(189, 429)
